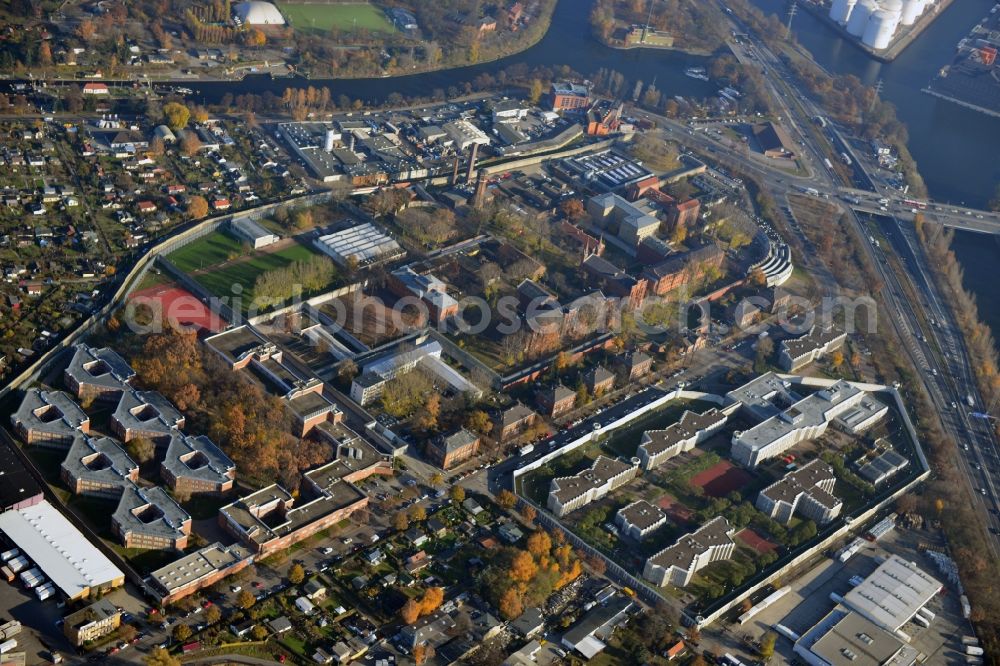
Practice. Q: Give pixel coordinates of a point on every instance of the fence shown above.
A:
(653, 596)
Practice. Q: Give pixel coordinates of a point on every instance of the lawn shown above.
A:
(347, 17)
(245, 273)
(207, 251)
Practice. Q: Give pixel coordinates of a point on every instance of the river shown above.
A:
(568, 42)
(957, 149)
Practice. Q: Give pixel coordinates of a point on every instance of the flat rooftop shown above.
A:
(16, 482)
(236, 343)
(641, 514)
(197, 566)
(893, 593)
(63, 554)
(843, 637)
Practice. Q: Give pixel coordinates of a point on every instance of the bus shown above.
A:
(913, 203)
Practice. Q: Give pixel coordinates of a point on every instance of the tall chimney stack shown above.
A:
(472, 163)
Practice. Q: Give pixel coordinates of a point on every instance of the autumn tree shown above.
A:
(245, 599)
(458, 493)
(296, 574)
(160, 657)
(181, 633)
(400, 521)
(837, 359)
(410, 611)
(573, 210)
(478, 421)
(141, 449)
(259, 632)
(197, 207)
(535, 91)
(539, 544)
(418, 513)
(506, 499)
(177, 115)
(190, 144)
(436, 479)
(213, 614)
(511, 605)
(529, 513)
(432, 600)
(522, 567)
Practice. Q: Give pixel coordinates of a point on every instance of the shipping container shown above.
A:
(7, 646)
(18, 563)
(974, 650)
(9, 629)
(7, 574)
(46, 591)
(9, 554)
(970, 640)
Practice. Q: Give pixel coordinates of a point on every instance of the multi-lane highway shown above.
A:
(926, 328)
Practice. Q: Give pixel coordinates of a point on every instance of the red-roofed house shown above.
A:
(95, 89)
(220, 204)
(146, 207)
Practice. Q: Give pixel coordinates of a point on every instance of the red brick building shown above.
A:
(684, 213)
(447, 451)
(569, 97)
(555, 400)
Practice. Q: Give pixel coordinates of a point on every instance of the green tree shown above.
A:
(141, 449)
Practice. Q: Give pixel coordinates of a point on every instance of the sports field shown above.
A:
(316, 17)
(207, 251)
(245, 272)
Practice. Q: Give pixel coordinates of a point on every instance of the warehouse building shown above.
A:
(893, 593)
(843, 637)
(363, 244)
(63, 554)
(252, 232)
(197, 570)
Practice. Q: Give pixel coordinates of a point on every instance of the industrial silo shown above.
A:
(911, 10)
(891, 6)
(881, 27)
(858, 21)
(840, 11)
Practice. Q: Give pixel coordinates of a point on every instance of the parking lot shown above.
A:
(810, 600)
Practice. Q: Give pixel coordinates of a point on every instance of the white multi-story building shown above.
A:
(677, 564)
(815, 344)
(658, 446)
(807, 491)
(789, 419)
(639, 519)
(568, 493)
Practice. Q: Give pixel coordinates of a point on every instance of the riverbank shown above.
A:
(899, 43)
(254, 70)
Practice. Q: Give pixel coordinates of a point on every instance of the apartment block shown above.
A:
(568, 493)
(807, 491)
(677, 564)
(659, 446)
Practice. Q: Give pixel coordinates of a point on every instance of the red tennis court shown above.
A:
(756, 541)
(180, 307)
(676, 511)
(721, 479)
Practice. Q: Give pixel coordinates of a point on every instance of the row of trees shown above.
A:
(306, 276)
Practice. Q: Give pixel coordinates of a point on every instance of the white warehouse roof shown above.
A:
(893, 594)
(59, 549)
(256, 12)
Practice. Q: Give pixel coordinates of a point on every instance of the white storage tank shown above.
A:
(891, 6)
(911, 10)
(840, 11)
(862, 11)
(881, 28)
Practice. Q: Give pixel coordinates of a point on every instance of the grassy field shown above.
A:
(206, 251)
(322, 17)
(244, 273)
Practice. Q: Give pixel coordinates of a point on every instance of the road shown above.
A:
(933, 342)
